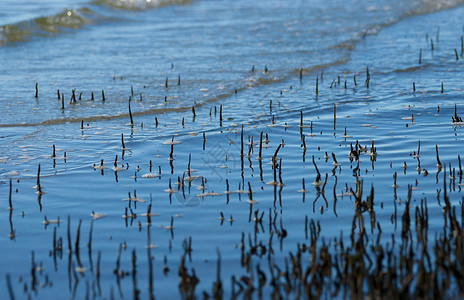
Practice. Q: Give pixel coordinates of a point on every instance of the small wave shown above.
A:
(430, 6)
(73, 19)
(410, 69)
(152, 111)
(139, 4)
(67, 19)
(321, 67)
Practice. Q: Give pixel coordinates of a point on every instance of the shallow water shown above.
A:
(212, 46)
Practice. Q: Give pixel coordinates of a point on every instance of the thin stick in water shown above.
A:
(368, 77)
(220, 115)
(317, 86)
(9, 197)
(438, 159)
(130, 114)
